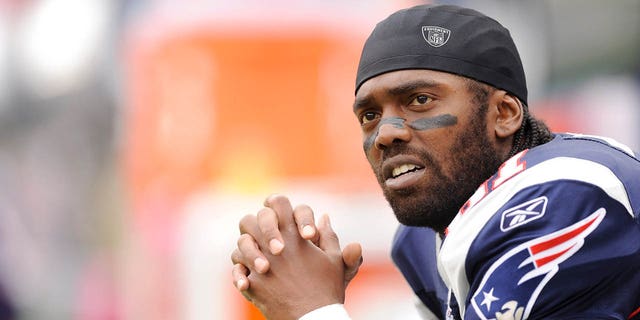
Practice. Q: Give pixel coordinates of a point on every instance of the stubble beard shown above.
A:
(434, 204)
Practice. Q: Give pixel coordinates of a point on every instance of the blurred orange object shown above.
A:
(236, 113)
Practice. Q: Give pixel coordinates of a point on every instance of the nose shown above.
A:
(391, 130)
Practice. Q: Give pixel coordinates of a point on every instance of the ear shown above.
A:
(510, 113)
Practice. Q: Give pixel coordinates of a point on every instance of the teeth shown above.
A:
(403, 169)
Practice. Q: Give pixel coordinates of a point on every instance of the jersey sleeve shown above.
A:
(562, 249)
(414, 252)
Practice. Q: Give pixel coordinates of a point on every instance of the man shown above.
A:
(524, 224)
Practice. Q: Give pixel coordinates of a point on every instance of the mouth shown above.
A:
(404, 169)
(402, 174)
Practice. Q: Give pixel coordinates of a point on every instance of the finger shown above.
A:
(268, 225)
(303, 215)
(281, 205)
(239, 274)
(328, 239)
(248, 245)
(352, 257)
(249, 224)
(250, 254)
(236, 257)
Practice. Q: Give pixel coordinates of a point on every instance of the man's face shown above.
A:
(425, 135)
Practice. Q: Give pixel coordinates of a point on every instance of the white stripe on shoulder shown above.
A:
(613, 142)
(465, 227)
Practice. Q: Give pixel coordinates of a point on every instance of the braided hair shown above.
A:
(533, 132)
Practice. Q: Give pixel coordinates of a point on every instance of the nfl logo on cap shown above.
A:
(435, 36)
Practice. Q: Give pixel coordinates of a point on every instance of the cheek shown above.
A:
(368, 141)
(441, 145)
(372, 156)
(370, 151)
(369, 137)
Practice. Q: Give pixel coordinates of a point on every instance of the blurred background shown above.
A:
(134, 134)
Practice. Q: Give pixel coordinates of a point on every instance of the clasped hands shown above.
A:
(287, 265)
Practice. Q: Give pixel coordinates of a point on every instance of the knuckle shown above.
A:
(239, 271)
(236, 257)
(270, 233)
(265, 214)
(243, 239)
(246, 223)
(303, 214)
(302, 207)
(277, 199)
(268, 222)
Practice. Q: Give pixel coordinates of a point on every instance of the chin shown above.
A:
(436, 221)
(416, 209)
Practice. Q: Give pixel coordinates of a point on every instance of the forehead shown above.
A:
(391, 81)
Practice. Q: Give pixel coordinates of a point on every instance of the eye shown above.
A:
(368, 116)
(420, 100)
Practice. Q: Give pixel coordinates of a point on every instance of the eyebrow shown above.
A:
(361, 102)
(412, 85)
(399, 90)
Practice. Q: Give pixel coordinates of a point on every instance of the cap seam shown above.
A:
(366, 68)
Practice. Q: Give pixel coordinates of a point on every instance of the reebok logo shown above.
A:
(523, 213)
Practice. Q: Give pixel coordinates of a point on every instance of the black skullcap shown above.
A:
(444, 38)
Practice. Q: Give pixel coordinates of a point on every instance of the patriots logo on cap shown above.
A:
(511, 286)
(436, 36)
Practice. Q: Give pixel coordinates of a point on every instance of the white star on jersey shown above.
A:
(488, 299)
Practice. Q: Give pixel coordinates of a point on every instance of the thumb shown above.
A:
(352, 257)
(328, 240)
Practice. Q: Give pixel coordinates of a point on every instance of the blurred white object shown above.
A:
(610, 103)
(58, 43)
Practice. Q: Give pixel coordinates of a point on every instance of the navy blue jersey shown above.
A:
(554, 234)
(414, 252)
